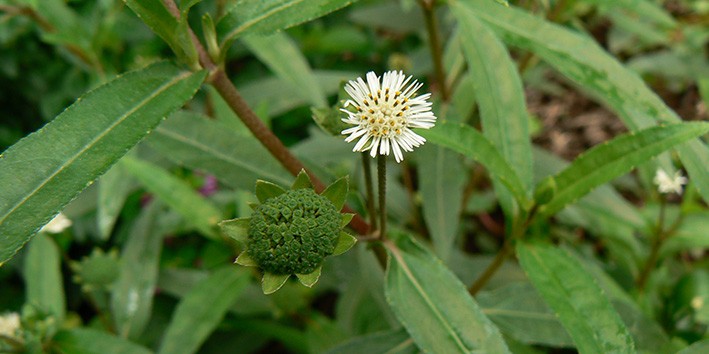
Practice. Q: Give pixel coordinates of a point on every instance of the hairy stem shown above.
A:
(434, 40)
(367, 170)
(382, 180)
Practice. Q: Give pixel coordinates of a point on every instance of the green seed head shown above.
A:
(294, 232)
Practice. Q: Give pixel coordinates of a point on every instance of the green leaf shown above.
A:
(302, 180)
(281, 54)
(346, 218)
(200, 143)
(500, 98)
(236, 228)
(571, 292)
(691, 234)
(268, 16)
(113, 189)
(202, 309)
(154, 14)
(43, 277)
(645, 9)
(272, 282)
(469, 142)
(521, 313)
(395, 341)
(344, 243)
(434, 306)
(583, 61)
(603, 211)
(311, 278)
(198, 211)
(498, 91)
(267, 190)
(442, 177)
(47, 169)
(277, 95)
(700, 347)
(245, 260)
(133, 292)
(612, 159)
(91, 341)
(337, 192)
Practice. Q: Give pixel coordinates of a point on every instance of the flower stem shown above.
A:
(491, 269)
(367, 170)
(382, 180)
(434, 40)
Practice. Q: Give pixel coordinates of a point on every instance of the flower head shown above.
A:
(385, 112)
(667, 184)
(292, 231)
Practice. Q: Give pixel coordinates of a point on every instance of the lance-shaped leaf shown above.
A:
(395, 341)
(268, 16)
(133, 292)
(197, 142)
(571, 292)
(442, 177)
(498, 91)
(282, 55)
(202, 309)
(176, 193)
(470, 142)
(612, 159)
(584, 62)
(434, 306)
(91, 341)
(43, 277)
(47, 169)
(175, 33)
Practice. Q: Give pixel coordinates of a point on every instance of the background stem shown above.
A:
(657, 241)
(434, 40)
(491, 269)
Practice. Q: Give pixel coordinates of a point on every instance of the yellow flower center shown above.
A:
(383, 114)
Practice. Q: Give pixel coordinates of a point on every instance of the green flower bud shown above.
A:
(293, 232)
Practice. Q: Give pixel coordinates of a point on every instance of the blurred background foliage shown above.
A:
(123, 237)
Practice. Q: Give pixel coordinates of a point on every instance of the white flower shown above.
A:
(57, 225)
(9, 324)
(385, 112)
(667, 184)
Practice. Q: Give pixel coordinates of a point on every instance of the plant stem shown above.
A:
(658, 240)
(232, 97)
(382, 180)
(491, 269)
(367, 170)
(434, 40)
